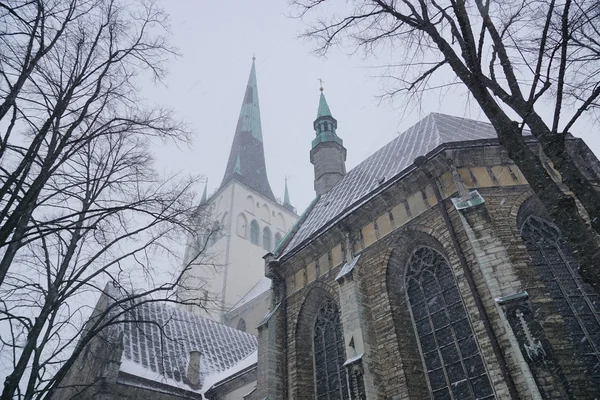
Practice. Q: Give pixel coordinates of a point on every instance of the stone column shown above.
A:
(501, 281)
(361, 377)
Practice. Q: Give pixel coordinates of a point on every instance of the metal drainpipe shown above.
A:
(420, 163)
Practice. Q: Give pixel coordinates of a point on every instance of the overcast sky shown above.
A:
(206, 86)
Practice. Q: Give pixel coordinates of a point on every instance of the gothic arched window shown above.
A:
(329, 354)
(577, 302)
(254, 232)
(277, 238)
(267, 239)
(453, 364)
(241, 225)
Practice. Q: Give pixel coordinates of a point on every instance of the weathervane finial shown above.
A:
(321, 84)
(253, 56)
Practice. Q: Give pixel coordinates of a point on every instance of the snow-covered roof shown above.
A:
(247, 362)
(158, 338)
(388, 162)
(262, 286)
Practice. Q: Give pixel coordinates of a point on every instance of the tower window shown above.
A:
(277, 238)
(267, 239)
(448, 347)
(241, 225)
(329, 354)
(254, 232)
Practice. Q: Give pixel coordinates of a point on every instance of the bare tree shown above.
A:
(515, 53)
(80, 203)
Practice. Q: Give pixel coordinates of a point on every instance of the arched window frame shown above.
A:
(576, 301)
(267, 239)
(327, 328)
(278, 239)
(254, 232)
(449, 351)
(242, 225)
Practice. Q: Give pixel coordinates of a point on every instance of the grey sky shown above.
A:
(206, 87)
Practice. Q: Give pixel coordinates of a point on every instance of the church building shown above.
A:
(428, 271)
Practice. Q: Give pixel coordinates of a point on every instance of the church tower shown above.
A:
(328, 154)
(251, 221)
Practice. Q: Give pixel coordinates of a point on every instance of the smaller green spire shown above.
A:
(286, 195)
(325, 125)
(238, 168)
(323, 110)
(204, 194)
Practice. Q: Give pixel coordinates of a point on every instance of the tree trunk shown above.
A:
(554, 147)
(561, 207)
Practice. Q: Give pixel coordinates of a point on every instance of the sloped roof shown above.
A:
(262, 286)
(389, 161)
(158, 347)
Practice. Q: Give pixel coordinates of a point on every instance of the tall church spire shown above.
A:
(328, 154)
(246, 162)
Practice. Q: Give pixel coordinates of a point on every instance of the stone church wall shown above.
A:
(384, 233)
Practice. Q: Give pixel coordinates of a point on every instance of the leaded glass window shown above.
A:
(453, 364)
(577, 302)
(329, 354)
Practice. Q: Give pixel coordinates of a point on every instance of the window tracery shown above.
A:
(454, 366)
(576, 301)
(329, 354)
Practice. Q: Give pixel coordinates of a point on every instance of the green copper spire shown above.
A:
(204, 196)
(323, 107)
(286, 195)
(249, 119)
(246, 163)
(325, 125)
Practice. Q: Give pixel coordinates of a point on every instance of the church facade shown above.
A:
(429, 271)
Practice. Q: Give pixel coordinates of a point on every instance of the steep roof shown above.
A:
(247, 156)
(262, 286)
(389, 161)
(158, 348)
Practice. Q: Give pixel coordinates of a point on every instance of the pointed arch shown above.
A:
(250, 205)
(278, 239)
(241, 225)
(316, 298)
(281, 222)
(267, 240)
(447, 343)
(265, 213)
(434, 333)
(329, 354)
(254, 232)
(576, 301)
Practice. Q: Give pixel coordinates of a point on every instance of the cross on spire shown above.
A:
(321, 84)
